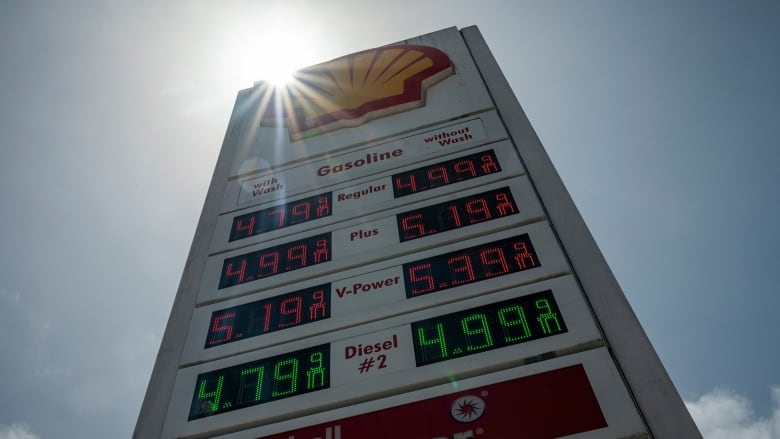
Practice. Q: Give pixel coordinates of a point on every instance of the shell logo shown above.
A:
(354, 89)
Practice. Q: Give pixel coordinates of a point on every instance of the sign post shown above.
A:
(386, 251)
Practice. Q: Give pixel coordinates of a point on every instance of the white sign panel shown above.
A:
(383, 237)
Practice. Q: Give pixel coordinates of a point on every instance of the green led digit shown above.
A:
(258, 384)
(547, 317)
(316, 372)
(439, 340)
(481, 329)
(291, 376)
(215, 395)
(508, 323)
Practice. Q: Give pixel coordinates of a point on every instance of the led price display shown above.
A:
(280, 216)
(275, 260)
(455, 214)
(486, 327)
(261, 381)
(469, 265)
(269, 315)
(444, 173)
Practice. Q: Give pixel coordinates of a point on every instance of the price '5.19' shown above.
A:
(455, 214)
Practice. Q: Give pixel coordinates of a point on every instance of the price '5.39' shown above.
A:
(469, 265)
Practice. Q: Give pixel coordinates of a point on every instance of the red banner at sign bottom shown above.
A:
(547, 405)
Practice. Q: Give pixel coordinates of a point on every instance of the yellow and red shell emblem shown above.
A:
(351, 90)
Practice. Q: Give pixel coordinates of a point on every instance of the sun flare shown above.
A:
(279, 77)
(254, 53)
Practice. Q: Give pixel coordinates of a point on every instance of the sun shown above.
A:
(279, 61)
(251, 53)
(280, 77)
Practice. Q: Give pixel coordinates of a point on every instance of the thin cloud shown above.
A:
(16, 431)
(724, 414)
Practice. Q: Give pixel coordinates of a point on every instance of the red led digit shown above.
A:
(255, 317)
(267, 320)
(248, 228)
(278, 211)
(411, 184)
(222, 324)
(296, 253)
(230, 272)
(523, 255)
(291, 307)
(505, 206)
(321, 253)
(438, 173)
(268, 264)
(461, 264)
(488, 165)
(465, 169)
(301, 212)
(478, 210)
(412, 225)
(494, 257)
(317, 307)
(426, 279)
(455, 214)
(323, 207)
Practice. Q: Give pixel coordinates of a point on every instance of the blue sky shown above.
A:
(659, 116)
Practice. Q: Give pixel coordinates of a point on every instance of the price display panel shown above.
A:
(517, 320)
(269, 315)
(528, 401)
(499, 329)
(407, 229)
(406, 185)
(261, 381)
(371, 292)
(277, 217)
(358, 162)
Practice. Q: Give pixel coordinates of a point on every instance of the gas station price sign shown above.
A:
(487, 327)
(372, 229)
